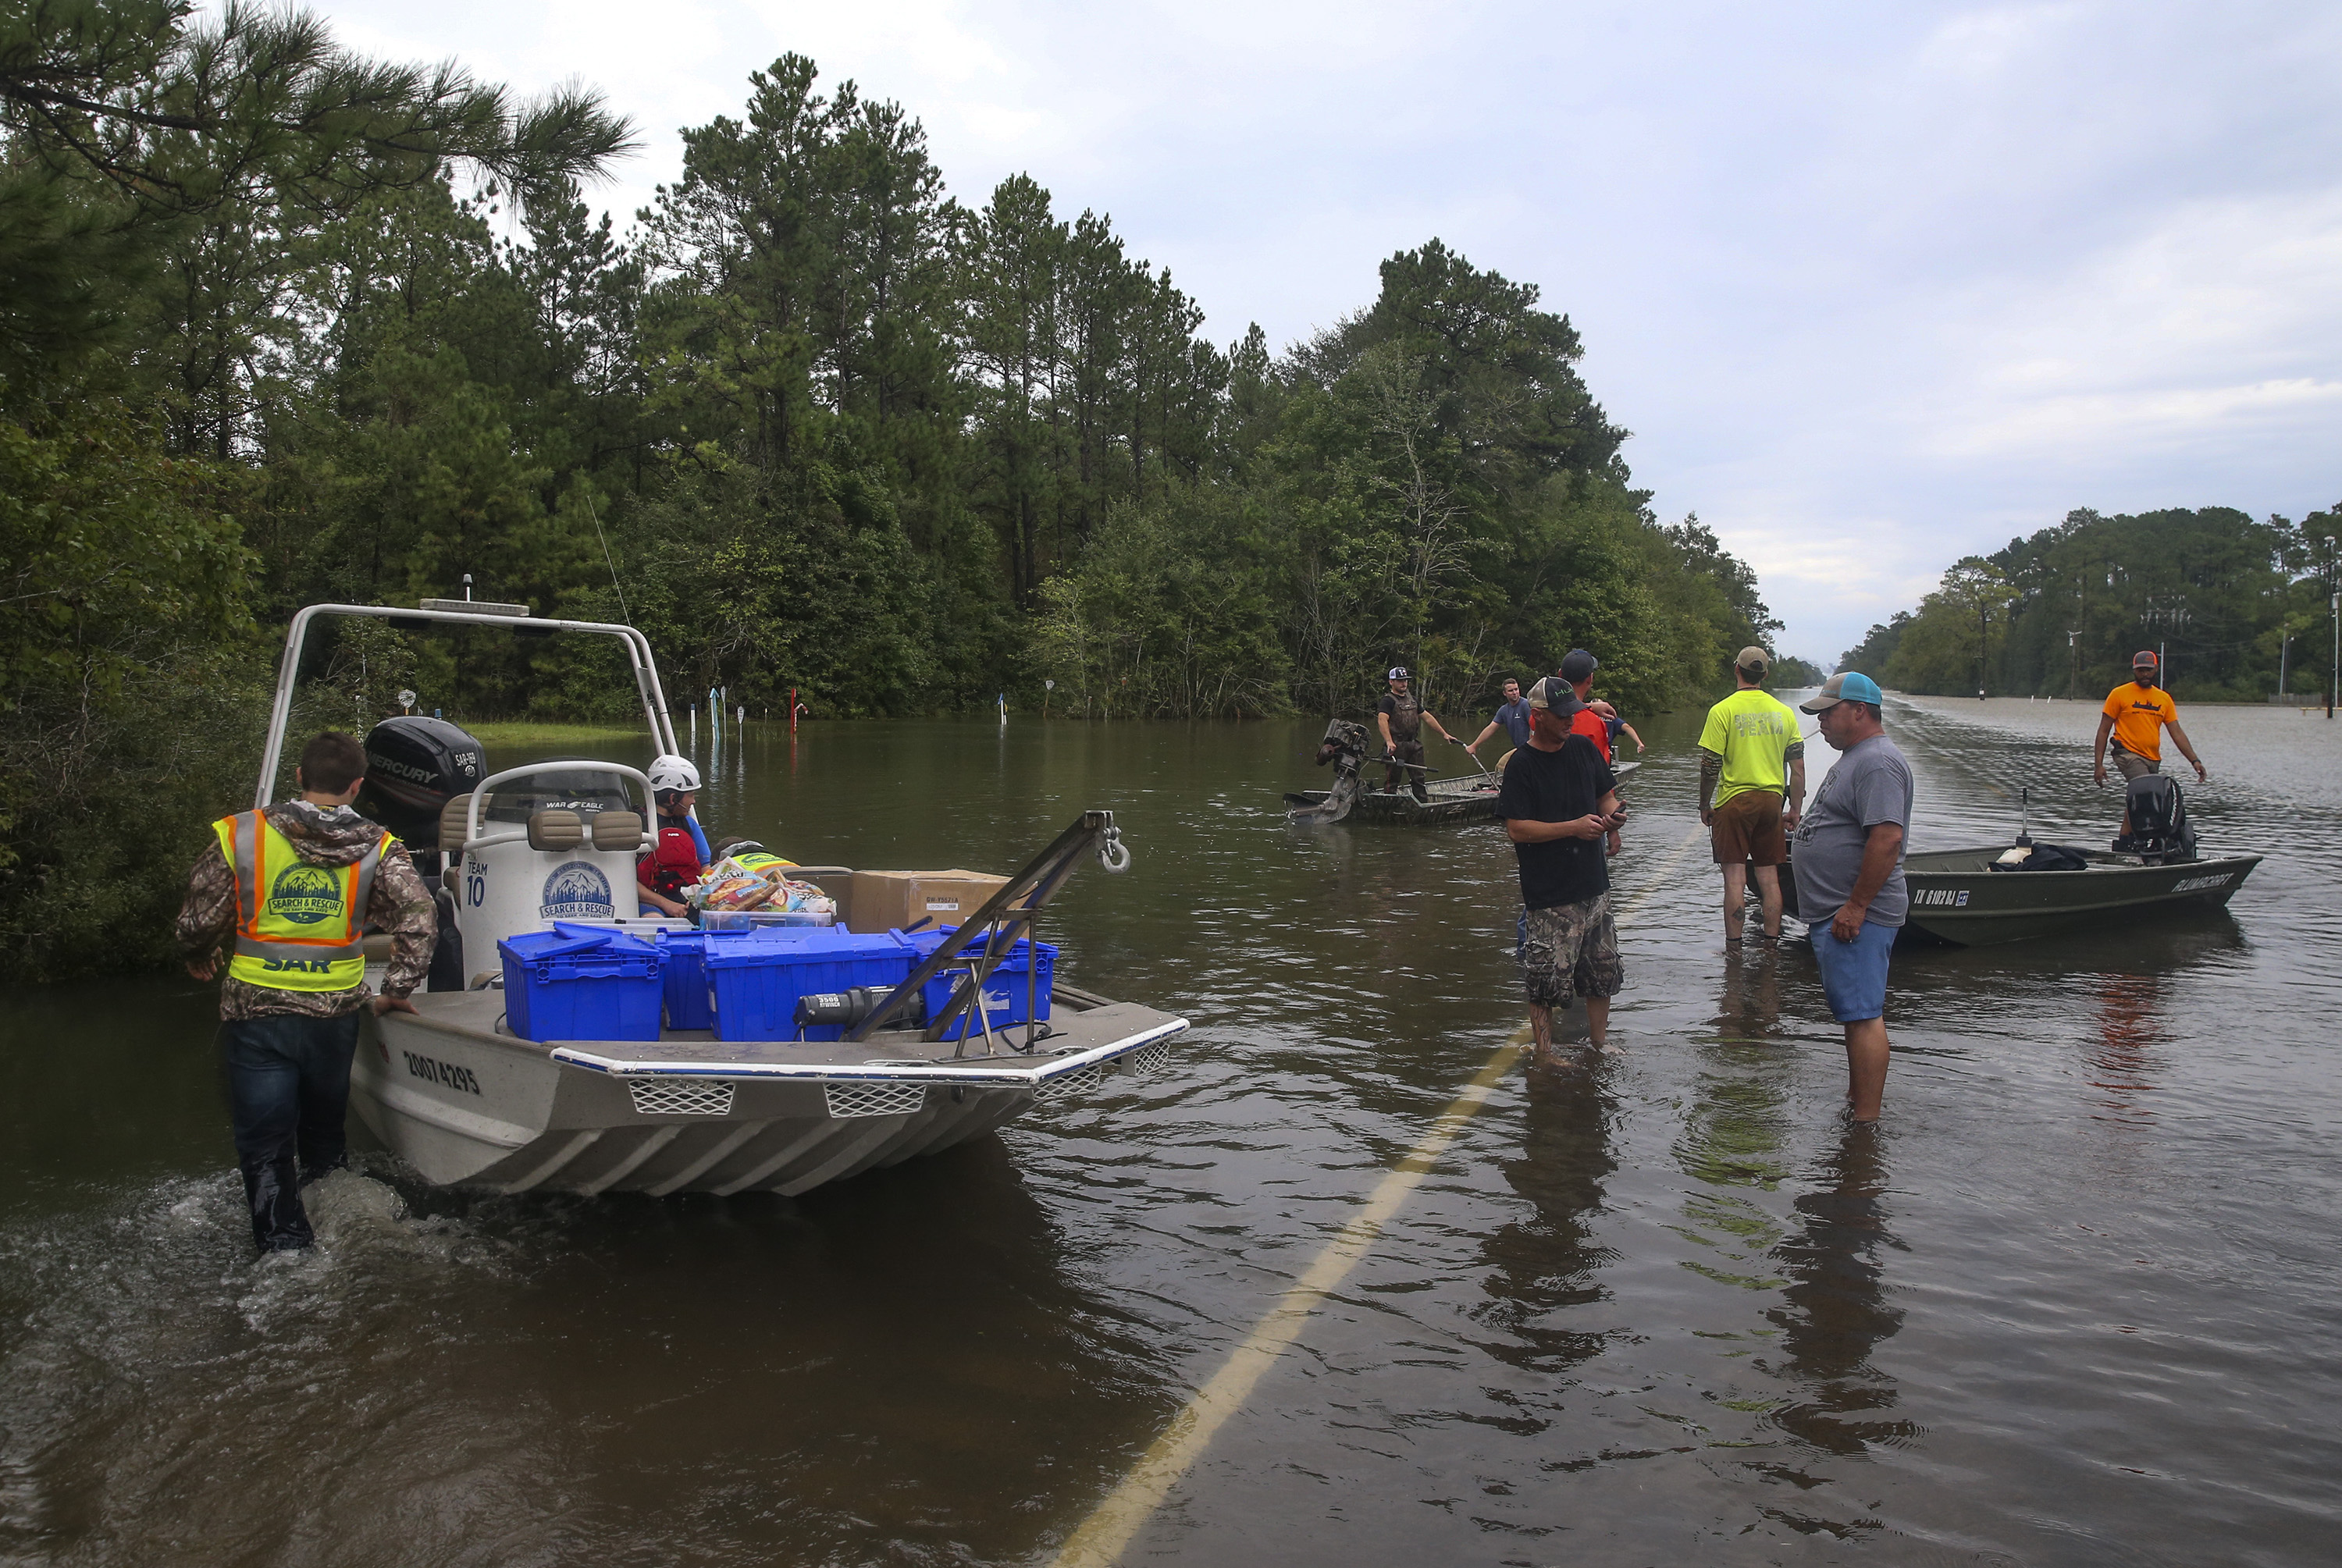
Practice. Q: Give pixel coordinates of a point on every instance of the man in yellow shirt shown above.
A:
(2136, 714)
(1750, 752)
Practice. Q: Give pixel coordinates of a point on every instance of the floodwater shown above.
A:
(2073, 1302)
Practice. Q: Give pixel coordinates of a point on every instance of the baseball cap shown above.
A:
(1753, 658)
(1851, 686)
(1553, 692)
(1398, 672)
(1578, 663)
(2144, 656)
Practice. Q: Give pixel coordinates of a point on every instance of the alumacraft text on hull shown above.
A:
(462, 1100)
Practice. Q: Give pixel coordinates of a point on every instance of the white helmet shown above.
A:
(673, 773)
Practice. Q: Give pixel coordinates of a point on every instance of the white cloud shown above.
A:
(1875, 286)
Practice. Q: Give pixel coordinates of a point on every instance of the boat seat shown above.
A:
(617, 830)
(451, 821)
(555, 828)
(376, 945)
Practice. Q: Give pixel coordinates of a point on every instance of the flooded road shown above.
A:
(2072, 1302)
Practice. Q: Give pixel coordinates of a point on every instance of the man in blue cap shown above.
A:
(1848, 860)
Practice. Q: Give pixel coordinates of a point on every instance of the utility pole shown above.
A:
(2334, 605)
(2074, 677)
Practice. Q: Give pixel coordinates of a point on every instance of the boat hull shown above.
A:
(1956, 897)
(465, 1104)
(1452, 800)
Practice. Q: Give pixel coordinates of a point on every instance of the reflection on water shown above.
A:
(1835, 1310)
(1546, 1261)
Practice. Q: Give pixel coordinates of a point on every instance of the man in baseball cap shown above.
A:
(1577, 667)
(1848, 862)
(1559, 802)
(1401, 719)
(1752, 784)
(2136, 714)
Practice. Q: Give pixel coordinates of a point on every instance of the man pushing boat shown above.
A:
(291, 887)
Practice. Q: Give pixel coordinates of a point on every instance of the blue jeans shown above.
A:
(288, 1086)
(1854, 973)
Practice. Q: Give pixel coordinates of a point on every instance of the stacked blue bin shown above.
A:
(758, 976)
(581, 983)
(690, 1000)
(1007, 983)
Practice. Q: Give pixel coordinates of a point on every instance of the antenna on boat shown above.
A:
(623, 614)
(2025, 815)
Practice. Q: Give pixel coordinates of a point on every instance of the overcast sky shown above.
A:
(1873, 286)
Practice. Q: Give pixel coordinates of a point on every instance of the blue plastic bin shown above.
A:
(758, 976)
(690, 1005)
(576, 982)
(1006, 984)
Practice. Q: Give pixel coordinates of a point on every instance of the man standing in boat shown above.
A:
(1849, 871)
(2136, 713)
(1749, 753)
(290, 888)
(1512, 717)
(1558, 803)
(1401, 719)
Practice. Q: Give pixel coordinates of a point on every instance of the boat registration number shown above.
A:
(1955, 897)
(2199, 883)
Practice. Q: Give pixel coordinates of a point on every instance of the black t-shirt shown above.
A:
(1557, 786)
(1404, 713)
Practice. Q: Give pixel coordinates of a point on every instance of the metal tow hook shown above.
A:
(1113, 853)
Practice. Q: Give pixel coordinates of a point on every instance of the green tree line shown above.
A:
(2235, 606)
(282, 324)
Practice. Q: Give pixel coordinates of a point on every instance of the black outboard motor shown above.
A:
(2159, 831)
(415, 766)
(1344, 746)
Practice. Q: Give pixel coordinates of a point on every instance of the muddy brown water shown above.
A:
(2074, 1303)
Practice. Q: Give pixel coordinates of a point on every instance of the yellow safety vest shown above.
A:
(296, 923)
(759, 861)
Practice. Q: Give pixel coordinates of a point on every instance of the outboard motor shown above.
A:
(415, 766)
(1344, 746)
(2159, 830)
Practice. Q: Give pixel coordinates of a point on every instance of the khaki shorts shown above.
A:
(2134, 766)
(1571, 948)
(1748, 827)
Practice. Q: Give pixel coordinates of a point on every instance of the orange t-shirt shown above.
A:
(2139, 714)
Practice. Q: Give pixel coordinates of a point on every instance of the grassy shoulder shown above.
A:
(529, 733)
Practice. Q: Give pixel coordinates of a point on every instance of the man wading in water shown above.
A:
(290, 887)
(1401, 717)
(1559, 800)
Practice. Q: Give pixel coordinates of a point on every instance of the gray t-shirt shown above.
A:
(1868, 785)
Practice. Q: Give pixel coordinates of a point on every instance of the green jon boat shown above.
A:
(1957, 897)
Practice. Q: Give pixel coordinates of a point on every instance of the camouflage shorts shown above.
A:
(1571, 948)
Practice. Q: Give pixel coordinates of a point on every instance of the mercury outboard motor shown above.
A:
(2159, 831)
(415, 766)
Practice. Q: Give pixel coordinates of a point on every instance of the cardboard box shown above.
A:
(917, 900)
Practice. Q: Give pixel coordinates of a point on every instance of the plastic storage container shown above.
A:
(758, 976)
(576, 982)
(684, 954)
(1006, 985)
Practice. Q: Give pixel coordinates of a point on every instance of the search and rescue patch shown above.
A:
(305, 894)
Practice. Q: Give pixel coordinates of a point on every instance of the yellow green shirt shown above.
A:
(1752, 731)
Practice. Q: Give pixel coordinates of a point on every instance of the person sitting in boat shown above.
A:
(681, 851)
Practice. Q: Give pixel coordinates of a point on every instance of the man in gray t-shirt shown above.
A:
(1848, 854)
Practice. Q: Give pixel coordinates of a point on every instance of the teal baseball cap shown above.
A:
(1849, 686)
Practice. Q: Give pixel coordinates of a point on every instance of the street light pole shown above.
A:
(2333, 603)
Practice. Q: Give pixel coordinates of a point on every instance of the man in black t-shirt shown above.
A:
(1559, 803)
(1401, 719)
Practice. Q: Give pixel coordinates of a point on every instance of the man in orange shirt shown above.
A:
(2136, 714)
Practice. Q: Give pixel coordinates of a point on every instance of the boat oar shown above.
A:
(1475, 759)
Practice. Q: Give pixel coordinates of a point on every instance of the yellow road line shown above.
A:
(1103, 1536)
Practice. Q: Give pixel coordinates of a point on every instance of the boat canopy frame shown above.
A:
(459, 613)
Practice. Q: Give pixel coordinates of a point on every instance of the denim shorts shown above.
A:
(1854, 973)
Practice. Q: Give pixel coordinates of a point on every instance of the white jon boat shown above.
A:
(462, 1100)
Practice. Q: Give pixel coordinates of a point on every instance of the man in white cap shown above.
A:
(1401, 718)
(1849, 870)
